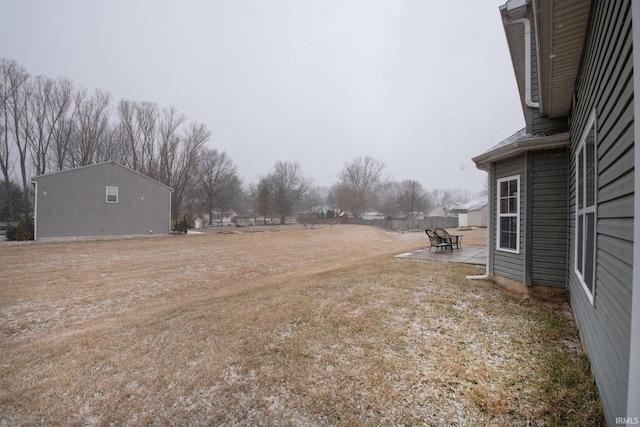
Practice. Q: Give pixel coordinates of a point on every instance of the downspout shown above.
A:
(527, 59)
(486, 271)
(35, 210)
(489, 231)
(170, 197)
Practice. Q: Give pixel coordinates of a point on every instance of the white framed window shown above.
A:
(508, 236)
(112, 194)
(586, 201)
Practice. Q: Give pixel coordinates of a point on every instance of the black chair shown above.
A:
(437, 242)
(453, 239)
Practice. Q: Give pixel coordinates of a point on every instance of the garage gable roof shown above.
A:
(66, 171)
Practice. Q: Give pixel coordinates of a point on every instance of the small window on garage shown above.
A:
(112, 194)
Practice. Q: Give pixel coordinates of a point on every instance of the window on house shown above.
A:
(112, 194)
(585, 237)
(509, 214)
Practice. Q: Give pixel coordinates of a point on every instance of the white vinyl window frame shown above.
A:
(508, 214)
(586, 216)
(112, 195)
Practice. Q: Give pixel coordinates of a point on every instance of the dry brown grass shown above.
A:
(290, 327)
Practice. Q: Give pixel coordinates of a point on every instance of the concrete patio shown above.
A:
(468, 254)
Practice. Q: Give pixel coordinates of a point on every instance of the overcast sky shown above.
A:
(420, 85)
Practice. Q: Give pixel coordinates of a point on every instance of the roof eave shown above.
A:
(561, 28)
(512, 10)
(35, 179)
(528, 143)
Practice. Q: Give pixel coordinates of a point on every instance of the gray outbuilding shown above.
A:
(105, 199)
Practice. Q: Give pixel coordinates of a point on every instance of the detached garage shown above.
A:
(105, 199)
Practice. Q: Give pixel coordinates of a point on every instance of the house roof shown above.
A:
(560, 28)
(560, 31)
(476, 204)
(66, 171)
(518, 143)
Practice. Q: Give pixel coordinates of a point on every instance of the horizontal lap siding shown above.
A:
(606, 83)
(507, 264)
(549, 222)
(73, 203)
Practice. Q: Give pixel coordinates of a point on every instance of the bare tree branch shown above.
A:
(358, 184)
(217, 184)
(290, 185)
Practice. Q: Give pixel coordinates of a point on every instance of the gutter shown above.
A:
(528, 143)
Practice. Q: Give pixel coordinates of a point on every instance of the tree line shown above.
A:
(362, 185)
(49, 125)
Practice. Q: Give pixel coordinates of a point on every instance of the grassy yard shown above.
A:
(283, 327)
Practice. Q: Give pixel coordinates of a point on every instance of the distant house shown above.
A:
(105, 199)
(477, 212)
(373, 215)
(562, 197)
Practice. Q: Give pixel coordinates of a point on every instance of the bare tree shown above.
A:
(91, 121)
(138, 123)
(62, 125)
(47, 124)
(170, 140)
(289, 185)
(388, 199)
(216, 184)
(128, 132)
(183, 165)
(111, 146)
(358, 184)
(49, 106)
(6, 67)
(147, 119)
(251, 198)
(265, 202)
(312, 204)
(229, 198)
(315, 198)
(40, 139)
(17, 92)
(412, 198)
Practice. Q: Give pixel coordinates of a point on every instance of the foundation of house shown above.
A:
(535, 291)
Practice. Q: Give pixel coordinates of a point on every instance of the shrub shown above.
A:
(182, 226)
(24, 231)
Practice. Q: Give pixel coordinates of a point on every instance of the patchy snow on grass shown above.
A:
(298, 327)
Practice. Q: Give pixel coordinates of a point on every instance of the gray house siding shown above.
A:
(508, 264)
(74, 203)
(542, 259)
(606, 84)
(549, 223)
